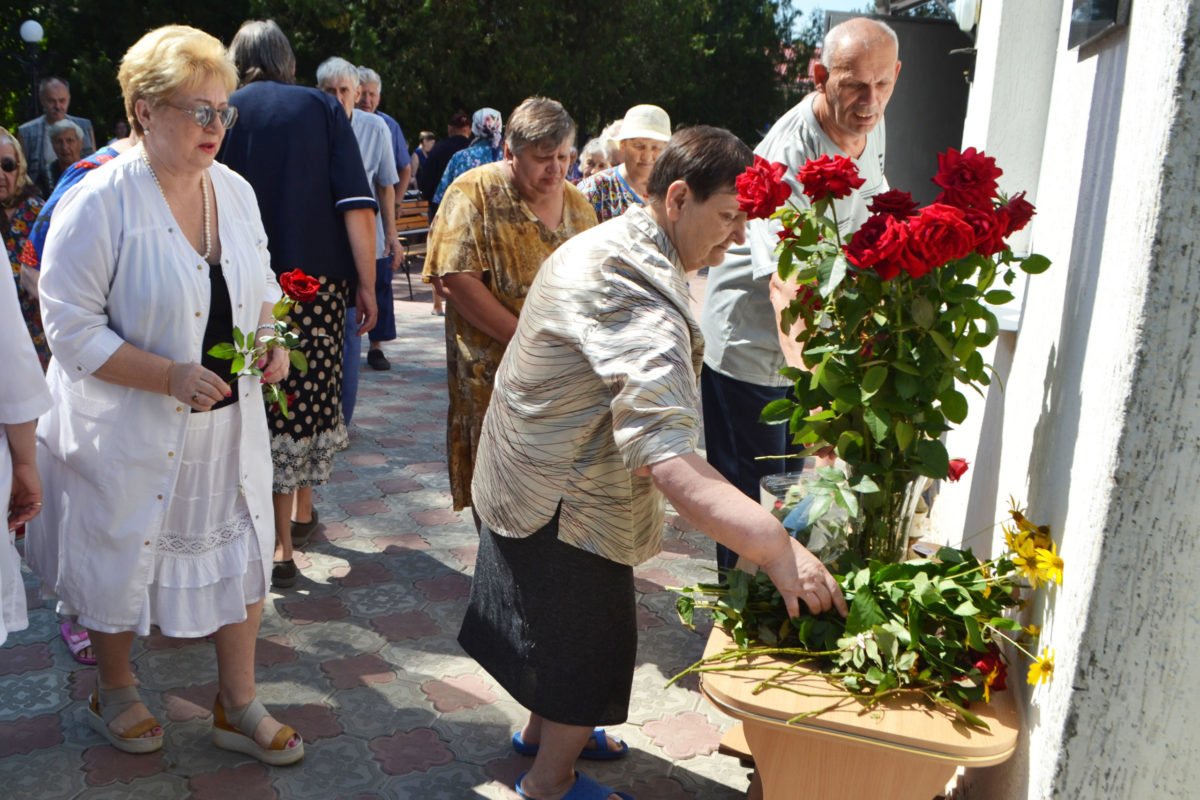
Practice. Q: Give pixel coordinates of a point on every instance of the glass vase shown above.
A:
(884, 522)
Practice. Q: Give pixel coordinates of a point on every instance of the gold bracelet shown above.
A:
(169, 366)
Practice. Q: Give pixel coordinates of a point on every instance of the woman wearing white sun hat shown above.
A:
(644, 133)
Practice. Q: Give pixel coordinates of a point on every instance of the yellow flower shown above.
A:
(1026, 562)
(1050, 564)
(1033, 630)
(1042, 669)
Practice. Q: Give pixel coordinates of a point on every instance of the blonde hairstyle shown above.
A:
(166, 60)
(22, 182)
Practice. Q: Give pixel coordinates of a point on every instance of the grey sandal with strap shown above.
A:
(234, 730)
(106, 705)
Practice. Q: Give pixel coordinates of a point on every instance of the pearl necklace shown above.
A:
(203, 192)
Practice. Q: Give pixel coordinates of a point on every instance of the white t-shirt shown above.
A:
(738, 321)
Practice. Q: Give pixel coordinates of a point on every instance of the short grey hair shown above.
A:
(538, 121)
(838, 34)
(61, 127)
(333, 68)
(261, 52)
(47, 82)
(596, 145)
(368, 75)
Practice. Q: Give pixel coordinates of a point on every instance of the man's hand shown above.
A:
(366, 312)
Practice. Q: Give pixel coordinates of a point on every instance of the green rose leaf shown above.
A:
(954, 406)
(224, 350)
(942, 344)
(922, 312)
(239, 364)
(864, 614)
(299, 361)
(776, 411)
(830, 274)
(932, 454)
(998, 297)
(1035, 264)
(876, 424)
(904, 434)
(873, 380)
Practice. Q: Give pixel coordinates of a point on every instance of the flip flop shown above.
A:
(584, 788)
(600, 752)
(77, 642)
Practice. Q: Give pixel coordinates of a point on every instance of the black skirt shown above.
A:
(556, 626)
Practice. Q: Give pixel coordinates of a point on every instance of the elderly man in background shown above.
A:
(458, 132)
(496, 225)
(744, 347)
(339, 79)
(596, 409)
(296, 148)
(55, 96)
(67, 139)
(369, 89)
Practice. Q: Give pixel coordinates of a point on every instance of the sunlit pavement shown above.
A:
(361, 655)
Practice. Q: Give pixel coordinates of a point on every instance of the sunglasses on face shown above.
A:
(8, 165)
(204, 115)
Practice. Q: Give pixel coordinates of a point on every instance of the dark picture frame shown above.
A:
(1092, 19)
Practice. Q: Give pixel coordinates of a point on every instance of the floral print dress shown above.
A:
(16, 230)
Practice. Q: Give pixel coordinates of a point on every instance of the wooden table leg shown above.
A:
(798, 765)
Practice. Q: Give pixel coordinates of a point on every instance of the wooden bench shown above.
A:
(412, 228)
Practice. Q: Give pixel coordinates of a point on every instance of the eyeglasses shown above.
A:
(204, 115)
(8, 165)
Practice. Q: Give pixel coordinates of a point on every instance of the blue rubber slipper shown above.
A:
(600, 752)
(584, 788)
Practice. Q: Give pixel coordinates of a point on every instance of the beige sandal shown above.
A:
(106, 705)
(235, 731)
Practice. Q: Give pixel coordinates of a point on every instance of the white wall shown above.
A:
(1099, 427)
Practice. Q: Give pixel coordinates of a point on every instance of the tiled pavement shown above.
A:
(361, 656)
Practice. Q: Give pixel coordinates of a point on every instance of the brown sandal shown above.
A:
(235, 731)
(106, 705)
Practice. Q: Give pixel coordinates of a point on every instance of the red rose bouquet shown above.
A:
(892, 322)
(247, 350)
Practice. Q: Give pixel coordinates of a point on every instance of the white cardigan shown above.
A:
(23, 398)
(117, 269)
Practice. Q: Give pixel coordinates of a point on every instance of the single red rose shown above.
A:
(894, 203)
(967, 178)
(937, 235)
(993, 669)
(1020, 211)
(829, 176)
(298, 286)
(878, 244)
(989, 227)
(958, 468)
(810, 301)
(761, 188)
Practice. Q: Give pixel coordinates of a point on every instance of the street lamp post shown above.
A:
(31, 34)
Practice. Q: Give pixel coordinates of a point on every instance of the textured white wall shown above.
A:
(1099, 427)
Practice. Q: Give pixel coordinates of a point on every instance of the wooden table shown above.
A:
(899, 750)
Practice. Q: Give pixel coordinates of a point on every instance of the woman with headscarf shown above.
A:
(487, 146)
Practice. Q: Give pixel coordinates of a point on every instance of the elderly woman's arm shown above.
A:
(720, 510)
(474, 301)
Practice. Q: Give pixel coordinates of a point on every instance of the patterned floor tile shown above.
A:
(105, 764)
(458, 692)
(32, 694)
(54, 772)
(481, 735)
(366, 669)
(337, 767)
(382, 710)
(246, 781)
(683, 736)
(451, 782)
(416, 750)
(26, 734)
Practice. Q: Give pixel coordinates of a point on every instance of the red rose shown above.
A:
(967, 178)
(829, 176)
(1020, 211)
(879, 243)
(761, 189)
(958, 468)
(990, 663)
(894, 203)
(989, 227)
(298, 286)
(937, 235)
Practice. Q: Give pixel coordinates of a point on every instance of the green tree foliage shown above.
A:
(721, 62)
